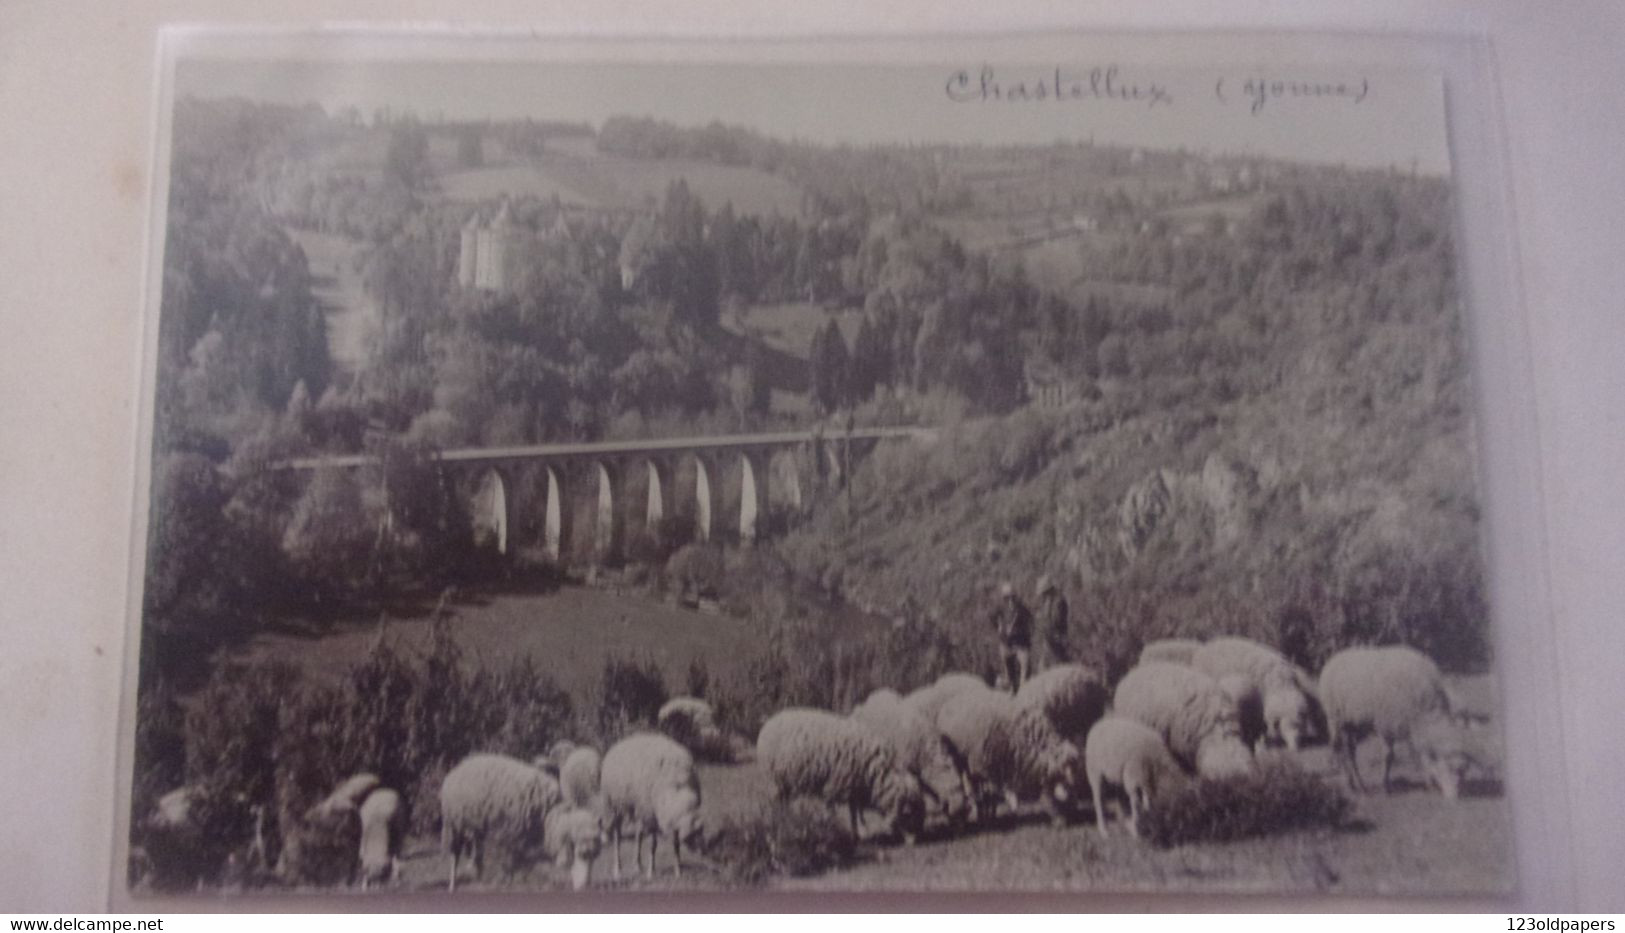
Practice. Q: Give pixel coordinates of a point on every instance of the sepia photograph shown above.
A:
(726, 471)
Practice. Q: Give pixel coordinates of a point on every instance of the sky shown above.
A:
(1377, 118)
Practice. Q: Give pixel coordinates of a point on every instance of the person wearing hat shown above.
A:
(1054, 622)
(1013, 622)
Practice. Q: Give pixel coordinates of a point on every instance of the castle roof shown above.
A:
(503, 219)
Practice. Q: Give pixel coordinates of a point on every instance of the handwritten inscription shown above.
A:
(1105, 83)
(1256, 92)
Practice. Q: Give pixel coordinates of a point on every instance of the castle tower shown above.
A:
(468, 251)
(493, 245)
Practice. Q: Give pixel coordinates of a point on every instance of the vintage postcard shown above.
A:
(725, 467)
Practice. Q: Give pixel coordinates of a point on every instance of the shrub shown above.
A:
(631, 693)
(696, 569)
(798, 838)
(232, 753)
(699, 677)
(160, 750)
(260, 742)
(1278, 797)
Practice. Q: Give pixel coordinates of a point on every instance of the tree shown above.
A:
(191, 583)
(471, 148)
(331, 536)
(869, 359)
(830, 363)
(750, 390)
(406, 162)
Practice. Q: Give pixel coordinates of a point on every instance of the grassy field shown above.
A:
(789, 327)
(568, 633)
(496, 181)
(1411, 842)
(595, 180)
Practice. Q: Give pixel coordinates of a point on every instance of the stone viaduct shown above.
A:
(596, 502)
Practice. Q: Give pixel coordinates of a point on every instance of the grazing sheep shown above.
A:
(928, 701)
(813, 753)
(579, 776)
(1012, 750)
(648, 781)
(174, 845)
(353, 791)
(322, 844)
(1126, 753)
(921, 750)
(1170, 651)
(1249, 708)
(553, 760)
(1196, 719)
(1288, 708)
(693, 722)
(573, 836)
(490, 799)
(1395, 693)
(1071, 695)
(383, 827)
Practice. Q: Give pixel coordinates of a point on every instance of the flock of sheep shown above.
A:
(950, 753)
(957, 749)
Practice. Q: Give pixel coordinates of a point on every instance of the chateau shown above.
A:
(488, 251)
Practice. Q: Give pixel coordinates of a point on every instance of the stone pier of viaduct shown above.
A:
(594, 502)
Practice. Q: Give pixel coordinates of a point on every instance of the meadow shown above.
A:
(1410, 842)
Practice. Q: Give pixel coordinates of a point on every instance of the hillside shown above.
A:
(1295, 463)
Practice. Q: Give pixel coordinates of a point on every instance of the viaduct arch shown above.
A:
(668, 490)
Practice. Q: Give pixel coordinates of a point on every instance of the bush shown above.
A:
(232, 743)
(799, 838)
(696, 569)
(1278, 797)
(631, 693)
(699, 677)
(260, 742)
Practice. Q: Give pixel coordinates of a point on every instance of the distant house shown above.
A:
(1049, 388)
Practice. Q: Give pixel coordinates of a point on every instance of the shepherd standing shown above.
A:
(1013, 622)
(1054, 622)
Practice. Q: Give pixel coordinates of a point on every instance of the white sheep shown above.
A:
(1170, 651)
(173, 840)
(1395, 693)
(692, 721)
(382, 830)
(814, 753)
(353, 790)
(1126, 753)
(1197, 720)
(580, 776)
(649, 783)
(1249, 708)
(321, 844)
(921, 750)
(1072, 696)
(929, 700)
(573, 835)
(1287, 707)
(493, 799)
(1011, 750)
